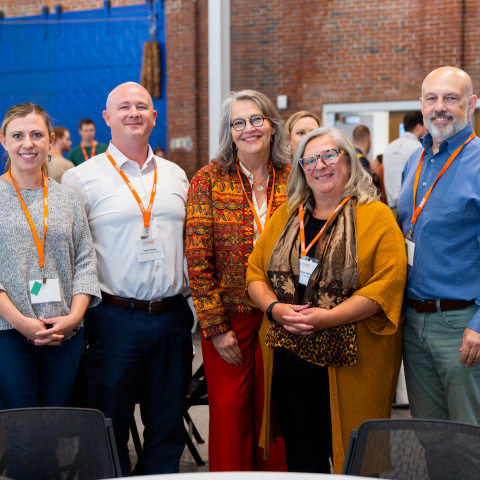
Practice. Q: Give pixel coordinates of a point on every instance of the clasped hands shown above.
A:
(300, 319)
(37, 331)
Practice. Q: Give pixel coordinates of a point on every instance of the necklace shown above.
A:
(259, 184)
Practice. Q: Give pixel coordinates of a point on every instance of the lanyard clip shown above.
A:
(143, 237)
(410, 233)
(44, 277)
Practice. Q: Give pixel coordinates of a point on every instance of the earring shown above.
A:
(6, 156)
(273, 138)
(233, 146)
(289, 147)
(49, 158)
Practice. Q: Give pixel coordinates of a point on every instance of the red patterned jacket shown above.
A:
(219, 241)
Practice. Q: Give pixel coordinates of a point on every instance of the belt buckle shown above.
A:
(150, 305)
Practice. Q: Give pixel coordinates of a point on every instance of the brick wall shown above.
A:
(313, 51)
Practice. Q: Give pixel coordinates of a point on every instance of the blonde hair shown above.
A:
(22, 110)
(359, 185)
(290, 123)
(226, 157)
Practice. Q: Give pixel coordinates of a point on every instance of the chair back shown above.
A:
(412, 449)
(57, 443)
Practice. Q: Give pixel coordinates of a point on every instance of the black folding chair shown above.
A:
(413, 449)
(57, 443)
(197, 395)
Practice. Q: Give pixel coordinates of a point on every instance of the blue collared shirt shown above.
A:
(447, 232)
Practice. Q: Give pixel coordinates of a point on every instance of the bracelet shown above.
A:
(268, 311)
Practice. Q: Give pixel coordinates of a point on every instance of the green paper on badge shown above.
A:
(36, 288)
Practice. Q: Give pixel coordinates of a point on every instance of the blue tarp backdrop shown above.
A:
(69, 62)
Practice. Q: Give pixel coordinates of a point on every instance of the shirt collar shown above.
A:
(410, 135)
(120, 158)
(248, 174)
(452, 143)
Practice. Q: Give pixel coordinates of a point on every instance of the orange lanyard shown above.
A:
(30, 222)
(145, 213)
(302, 227)
(252, 208)
(54, 152)
(85, 152)
(417, 211)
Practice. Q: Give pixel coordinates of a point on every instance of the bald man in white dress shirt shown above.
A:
(139, 337)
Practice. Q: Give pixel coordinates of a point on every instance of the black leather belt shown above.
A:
(430, 306)
(153, 308)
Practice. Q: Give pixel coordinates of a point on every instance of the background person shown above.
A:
(140, 344)
(298, 125)
(88, 147)
(362, 141)
(397, 154)
(352, 323)
(58, 164)
(159, 152)
(442, 296)
(56, 245)
(229, 203)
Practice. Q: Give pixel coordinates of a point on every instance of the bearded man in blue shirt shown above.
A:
(442, 319)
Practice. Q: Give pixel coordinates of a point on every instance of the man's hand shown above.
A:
(226, 345)
(470, 347)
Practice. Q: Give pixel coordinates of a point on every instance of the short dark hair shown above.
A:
(85, 121)
(411, 120)
(59, 132)
(361, 133)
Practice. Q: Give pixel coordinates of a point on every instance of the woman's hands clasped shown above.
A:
(302, 320)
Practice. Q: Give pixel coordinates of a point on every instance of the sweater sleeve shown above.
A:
(387, 261)
(200, 253)
(85, 278)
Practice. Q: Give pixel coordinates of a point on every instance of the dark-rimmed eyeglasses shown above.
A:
(255, 120)
(328, 157)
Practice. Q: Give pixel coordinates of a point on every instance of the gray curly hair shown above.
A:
(359, 185)
(279, 154)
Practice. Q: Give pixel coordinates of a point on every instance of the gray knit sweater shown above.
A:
(69, 252)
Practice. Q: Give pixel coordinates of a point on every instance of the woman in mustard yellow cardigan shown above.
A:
(329, 271)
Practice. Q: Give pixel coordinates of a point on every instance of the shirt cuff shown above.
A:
(214, 330)
(475, 322)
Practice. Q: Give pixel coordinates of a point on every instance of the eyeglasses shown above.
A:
(255, 121)
(328, 157)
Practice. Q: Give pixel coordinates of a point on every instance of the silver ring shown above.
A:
(478, 354)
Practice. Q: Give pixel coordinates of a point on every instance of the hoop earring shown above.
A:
(233, 144)
(273, 138)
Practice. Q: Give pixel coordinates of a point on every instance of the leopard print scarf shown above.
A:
(332, 282)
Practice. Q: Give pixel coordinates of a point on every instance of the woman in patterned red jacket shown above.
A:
(229, 203)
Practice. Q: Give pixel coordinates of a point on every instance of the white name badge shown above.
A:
(307, 266)
(410, 251)
(149, 249)
(44, 292)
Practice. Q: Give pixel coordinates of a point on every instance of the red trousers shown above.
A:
(235, 396)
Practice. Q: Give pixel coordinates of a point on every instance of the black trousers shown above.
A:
(300, 390)
(136, 357)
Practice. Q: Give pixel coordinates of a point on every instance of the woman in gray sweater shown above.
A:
(48, 274)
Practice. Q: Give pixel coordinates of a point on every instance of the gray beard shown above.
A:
(440, 134)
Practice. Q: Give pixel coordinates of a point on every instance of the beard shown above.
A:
(440, 133)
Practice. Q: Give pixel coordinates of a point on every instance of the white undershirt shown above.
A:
(261, 212)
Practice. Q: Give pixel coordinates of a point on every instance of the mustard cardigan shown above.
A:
(364, 390)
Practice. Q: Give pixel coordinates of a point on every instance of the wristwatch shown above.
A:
(268, 311)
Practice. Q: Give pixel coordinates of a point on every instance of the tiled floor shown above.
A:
(200, 418)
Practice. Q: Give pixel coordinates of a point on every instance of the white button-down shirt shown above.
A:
(395, 158)
(261, 211)
(116, 223)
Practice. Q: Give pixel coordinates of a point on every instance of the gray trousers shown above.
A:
(439, 386)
